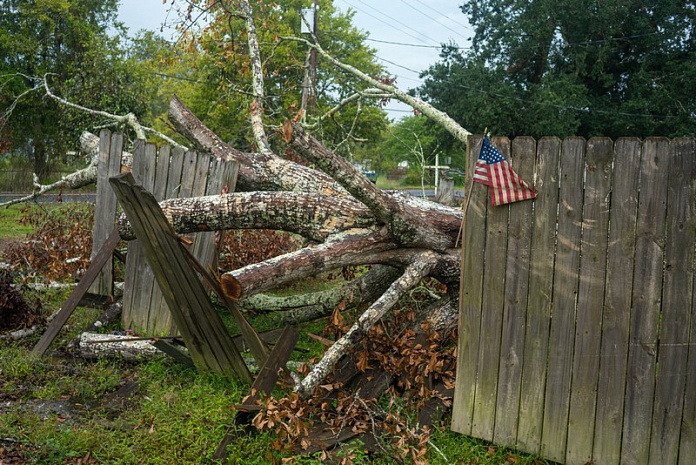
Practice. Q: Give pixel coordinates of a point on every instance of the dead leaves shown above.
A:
(60, 246)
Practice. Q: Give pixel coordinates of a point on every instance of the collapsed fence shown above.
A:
(577, 326)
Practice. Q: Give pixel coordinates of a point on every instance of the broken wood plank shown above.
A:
(171, 350)
(203, 331)
(264, 383)
(98, 262)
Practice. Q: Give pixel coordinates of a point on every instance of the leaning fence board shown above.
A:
(645, 312)
(588, 329)
(538, 311)
(491, 314)
(69, 306)
(206, 337)
(515, 300)
(677, 295)
(617, 302)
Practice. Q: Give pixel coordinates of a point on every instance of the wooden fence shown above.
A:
(577, 325)
(166, 173)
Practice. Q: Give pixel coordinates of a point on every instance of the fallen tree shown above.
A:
(344, 217)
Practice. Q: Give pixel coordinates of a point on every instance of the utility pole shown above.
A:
(313, 59)
(309, 84)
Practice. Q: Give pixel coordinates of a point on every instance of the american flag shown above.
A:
(494, 171)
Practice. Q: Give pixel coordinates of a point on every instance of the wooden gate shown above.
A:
(167, 173)
(577, 326)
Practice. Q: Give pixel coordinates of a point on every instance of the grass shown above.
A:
(61, 409)
(10, 227)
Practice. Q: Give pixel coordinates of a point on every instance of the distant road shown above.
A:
(51, 197)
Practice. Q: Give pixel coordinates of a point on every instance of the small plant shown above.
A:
(59, 246)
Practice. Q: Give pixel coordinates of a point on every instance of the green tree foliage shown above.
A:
(550, 67)
(416, 140)
(210, 71)
(69, 41)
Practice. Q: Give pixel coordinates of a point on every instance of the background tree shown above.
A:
(213, 72)
(68, 42)
(416, 140)
(614, 68)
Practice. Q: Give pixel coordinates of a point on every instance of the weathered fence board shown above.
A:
(593, 257)
(473, 246)
(645, 312)
(539, 299)
(105, 209)
(491, 321)
(677, 295)
(565, 291)
(515, 299)
(167, 173)
(577, 323)
(206, 337)
(617, 302)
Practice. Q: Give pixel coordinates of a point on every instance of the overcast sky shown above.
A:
(405, 33)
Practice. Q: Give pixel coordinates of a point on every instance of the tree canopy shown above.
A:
(210, 70)
(542, 67)
(69, 42)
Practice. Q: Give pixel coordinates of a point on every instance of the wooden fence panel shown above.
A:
(183, 175)
(577, 330)
(492, 314)
(539, 301)
(588, 329)
(110, 147)
(473, 246)
(677, 295)
(645, 312)
(515, 300)
(687, 443)
(565, 291)
(617, 303)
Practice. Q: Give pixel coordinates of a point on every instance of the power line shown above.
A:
(404, 44)
(465, 26)
(382, 21)
(434, 19)
(397, 21)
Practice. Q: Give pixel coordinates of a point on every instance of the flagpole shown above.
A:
(465, 209)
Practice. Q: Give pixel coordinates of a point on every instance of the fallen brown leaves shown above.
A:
(60, 246)
(394, 374)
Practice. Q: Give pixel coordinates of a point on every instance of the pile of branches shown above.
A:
(59, 246)
(15, 312)
(393, 376)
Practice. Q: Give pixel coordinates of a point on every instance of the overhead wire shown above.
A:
(434, 19)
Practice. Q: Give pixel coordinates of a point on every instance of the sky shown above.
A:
(405, 33)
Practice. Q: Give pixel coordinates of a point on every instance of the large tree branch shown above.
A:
(257, 105)
(129, 119)
(257, 171)
(304, 307)
(343, 249)
(313, 216)
(439, 117)
(422, 265)
(404, 220)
